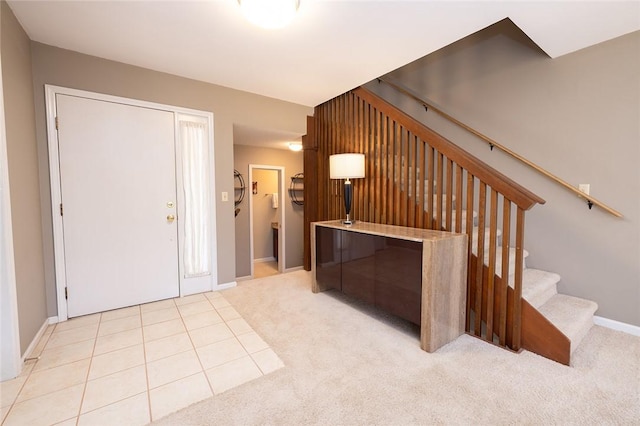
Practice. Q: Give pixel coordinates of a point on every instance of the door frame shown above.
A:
(186, 286)
(281, 207)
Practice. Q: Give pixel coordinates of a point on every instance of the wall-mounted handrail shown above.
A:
(591, 201)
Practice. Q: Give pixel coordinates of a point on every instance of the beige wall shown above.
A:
(23, 177)
(294, 214)
(71, 69)
(263, 212)
(578, 117)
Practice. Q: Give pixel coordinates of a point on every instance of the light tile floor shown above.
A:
(137, 364)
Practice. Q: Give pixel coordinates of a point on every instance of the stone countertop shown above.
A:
(394, 231)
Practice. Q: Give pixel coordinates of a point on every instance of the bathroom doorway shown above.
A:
(266, 220)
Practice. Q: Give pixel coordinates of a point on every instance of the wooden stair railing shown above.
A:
(417, 178)
(591, 201)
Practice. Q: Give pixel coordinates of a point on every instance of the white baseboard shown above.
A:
(245, 278)
(38, 336)
(295, 268)
(265, 259)
(224, 286)
(617, 325)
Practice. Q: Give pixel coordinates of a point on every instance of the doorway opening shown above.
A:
(266, 220)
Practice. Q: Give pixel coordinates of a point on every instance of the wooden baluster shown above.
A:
(439, 180)
(397, 172)
(390, 170)
(449, 192)
(459, 185)
(406, 160)
(350, 146)
(469, 231)
(491, 274)
(517, 286)
(402, 181)
(364, 183)
(377, 166)
(422, 147)
(323, 161)
(413, 212)
(430, 177)
(482, 201)
(370, 138)
(384, 170)
(333, 146)
(504, 284)
(362, 194)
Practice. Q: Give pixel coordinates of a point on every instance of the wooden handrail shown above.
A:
(519, 194)
(591, 201)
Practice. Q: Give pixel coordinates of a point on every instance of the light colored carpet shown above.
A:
(347, 364)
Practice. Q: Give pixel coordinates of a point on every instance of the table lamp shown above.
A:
(347, 167)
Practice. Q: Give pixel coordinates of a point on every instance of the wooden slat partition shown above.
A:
(417, 178)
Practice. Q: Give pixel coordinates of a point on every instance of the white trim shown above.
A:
(281, 204)
(10, 365)
(634, 330)
(245, 278)
(36, 339)
(225, 286)
(295, 268)
(54, 174)
(265, 259)
(53, 320)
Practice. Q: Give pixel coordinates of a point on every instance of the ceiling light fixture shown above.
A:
(270, 14)
(295, 146)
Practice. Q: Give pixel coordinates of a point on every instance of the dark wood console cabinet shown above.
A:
(415, 274)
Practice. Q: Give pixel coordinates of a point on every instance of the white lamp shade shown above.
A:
(346, 166)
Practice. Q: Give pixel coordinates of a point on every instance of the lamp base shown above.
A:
(348, 222)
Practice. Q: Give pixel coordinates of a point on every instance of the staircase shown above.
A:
(417, 178)
(572, 316)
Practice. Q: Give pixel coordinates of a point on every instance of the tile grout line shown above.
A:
(86, 381)
(245, 348)
(206, 376)
(144, 353)
(235, 334)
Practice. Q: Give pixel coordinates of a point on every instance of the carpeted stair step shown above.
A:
(435, 201)
(453, 219)
(512, 260)
(572, 315)
(487, 238)
(538, 286)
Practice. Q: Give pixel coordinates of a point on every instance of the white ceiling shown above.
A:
(331, 47)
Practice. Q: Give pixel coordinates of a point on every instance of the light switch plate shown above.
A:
(584, 187)
(225, 196)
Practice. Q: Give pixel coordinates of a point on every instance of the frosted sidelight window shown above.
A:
(197, 203)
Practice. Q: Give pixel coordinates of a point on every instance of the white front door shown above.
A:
(118, 189)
